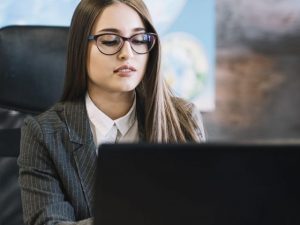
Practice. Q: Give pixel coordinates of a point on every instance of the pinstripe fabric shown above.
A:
(57, 164)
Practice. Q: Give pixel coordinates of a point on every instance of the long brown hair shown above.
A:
(164, 117)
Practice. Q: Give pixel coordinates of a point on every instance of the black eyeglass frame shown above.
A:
(95, 37)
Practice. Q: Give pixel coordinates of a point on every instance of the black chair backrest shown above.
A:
(32, 66)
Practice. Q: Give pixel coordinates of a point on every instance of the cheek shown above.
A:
(144, 63)
(89, 60)
(94, 62)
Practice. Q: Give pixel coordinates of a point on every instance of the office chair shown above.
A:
(32, 68)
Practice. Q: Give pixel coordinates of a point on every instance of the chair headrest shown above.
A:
(32, 66)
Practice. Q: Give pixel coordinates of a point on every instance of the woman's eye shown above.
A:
(110, 43)
(139, 41)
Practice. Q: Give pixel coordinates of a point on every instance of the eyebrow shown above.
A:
(114, 30)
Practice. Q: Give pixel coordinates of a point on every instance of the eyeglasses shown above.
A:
(110, 44)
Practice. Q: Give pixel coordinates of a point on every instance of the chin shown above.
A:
(127, 87)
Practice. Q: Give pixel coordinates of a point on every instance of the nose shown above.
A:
(126, 51)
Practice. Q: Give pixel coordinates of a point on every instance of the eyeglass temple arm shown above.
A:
(91, 37)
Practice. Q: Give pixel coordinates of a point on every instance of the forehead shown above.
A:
(118, 16)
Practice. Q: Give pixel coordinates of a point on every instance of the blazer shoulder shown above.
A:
(49, 121)
(191, 109)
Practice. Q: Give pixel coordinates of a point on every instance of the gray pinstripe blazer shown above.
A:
(57, 164)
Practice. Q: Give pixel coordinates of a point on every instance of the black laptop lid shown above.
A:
(143, 184)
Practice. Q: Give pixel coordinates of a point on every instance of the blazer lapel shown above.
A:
(84, 149)
(85, 158)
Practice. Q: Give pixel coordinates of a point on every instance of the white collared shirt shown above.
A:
(102, 125)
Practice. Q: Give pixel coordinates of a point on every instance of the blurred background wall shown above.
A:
(257, 71)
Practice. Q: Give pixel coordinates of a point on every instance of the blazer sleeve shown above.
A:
(43, 198)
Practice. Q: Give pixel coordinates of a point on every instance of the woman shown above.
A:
(113, 93)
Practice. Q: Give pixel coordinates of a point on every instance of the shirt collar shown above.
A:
(101, 120)
(125, 123)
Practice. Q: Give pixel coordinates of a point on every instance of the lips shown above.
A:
(125, 69)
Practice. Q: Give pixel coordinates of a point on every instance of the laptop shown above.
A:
(198, 184)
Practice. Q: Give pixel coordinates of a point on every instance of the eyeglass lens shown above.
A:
(112, 43)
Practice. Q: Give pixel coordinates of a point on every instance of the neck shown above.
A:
(113, 105)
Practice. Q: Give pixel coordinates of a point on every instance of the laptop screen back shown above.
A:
(165, 184)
